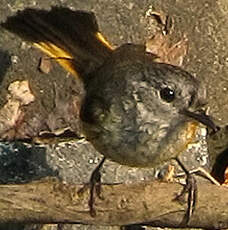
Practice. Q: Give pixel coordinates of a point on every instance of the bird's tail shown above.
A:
(70, 37)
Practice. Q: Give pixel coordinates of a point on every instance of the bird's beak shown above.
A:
(202, 118)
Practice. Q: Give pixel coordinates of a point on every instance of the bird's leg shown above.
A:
(94, 186)
(191, 189)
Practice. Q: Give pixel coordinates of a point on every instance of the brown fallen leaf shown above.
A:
(11, 113)
(20, 91)
(161, 46)
(45, 65)
(164, 21)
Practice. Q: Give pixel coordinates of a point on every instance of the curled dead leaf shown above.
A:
(45, 65)
(161, 46)
(11, 113)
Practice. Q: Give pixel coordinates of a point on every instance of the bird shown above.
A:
(135, 111)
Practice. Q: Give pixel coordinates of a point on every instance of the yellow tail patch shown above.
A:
(64, 58)
(101, 38)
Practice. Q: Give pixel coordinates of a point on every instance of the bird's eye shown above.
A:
(167, 94)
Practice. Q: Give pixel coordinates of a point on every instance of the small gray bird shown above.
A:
(136, 112)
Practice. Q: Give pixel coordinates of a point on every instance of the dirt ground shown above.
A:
(204, 23)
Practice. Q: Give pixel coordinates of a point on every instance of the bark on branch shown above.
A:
(51, 201)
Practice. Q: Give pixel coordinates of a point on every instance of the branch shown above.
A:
(51, 201)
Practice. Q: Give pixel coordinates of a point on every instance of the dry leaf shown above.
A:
(45, 65)
(167, 53)
(11, 113)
